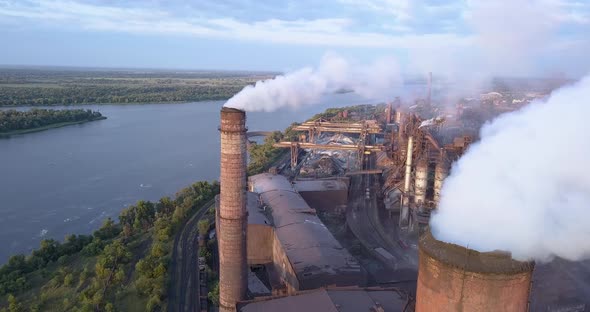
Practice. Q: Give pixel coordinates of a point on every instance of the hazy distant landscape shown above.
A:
(44, 86)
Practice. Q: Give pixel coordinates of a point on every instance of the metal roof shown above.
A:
(357, 300)
(315, 255)
(255, 212)
(315, 301)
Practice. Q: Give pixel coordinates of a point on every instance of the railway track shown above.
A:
(362, 218)
(184, 290)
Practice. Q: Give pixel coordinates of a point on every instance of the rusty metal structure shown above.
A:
(454, 278)
(232, 214)
(315, 128)
(416, 148)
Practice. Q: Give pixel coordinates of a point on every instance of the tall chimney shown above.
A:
(454, 278)
(233, 270)
(388, 112)
(429, 98)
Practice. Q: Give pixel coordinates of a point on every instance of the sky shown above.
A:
(532, 36)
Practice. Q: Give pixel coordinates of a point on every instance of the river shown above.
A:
(68, 180)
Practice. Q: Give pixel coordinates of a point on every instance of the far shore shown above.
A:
(105, 103)
(52, 126)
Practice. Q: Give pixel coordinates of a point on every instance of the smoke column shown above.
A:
(525, 187)
(306, 86)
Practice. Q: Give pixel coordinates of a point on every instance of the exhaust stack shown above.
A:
(454, 278)
(233, 271)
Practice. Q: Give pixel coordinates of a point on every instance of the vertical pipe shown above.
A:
(420, 183)
(401, 134)
(405, 210)
(388, 112)
(408, 165)
(441, 171)
(232, 210)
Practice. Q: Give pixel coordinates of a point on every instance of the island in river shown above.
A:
(19, 122)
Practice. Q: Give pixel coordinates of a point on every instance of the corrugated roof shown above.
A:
(312, 250)
(332, 300)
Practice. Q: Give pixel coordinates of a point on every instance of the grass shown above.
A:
(52, 126)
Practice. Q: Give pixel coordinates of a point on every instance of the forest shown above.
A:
(120, 267)
(13, 120)
(43, 86)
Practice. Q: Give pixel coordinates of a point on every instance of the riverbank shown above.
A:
(83, 174)
(82, 105)
(120, 267)
(52, 126)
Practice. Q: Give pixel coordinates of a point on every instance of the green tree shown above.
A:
(145, 212)
(213, 295)
(68, 280)
(14, 305)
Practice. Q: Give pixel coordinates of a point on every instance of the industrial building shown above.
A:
(304, 253)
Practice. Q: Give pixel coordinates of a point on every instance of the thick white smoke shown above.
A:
(376, 81)
(525, 187)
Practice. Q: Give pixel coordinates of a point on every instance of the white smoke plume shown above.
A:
(376, 81)
(525, 187)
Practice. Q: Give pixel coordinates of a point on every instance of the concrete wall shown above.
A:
(329, 201)
(283, 267)
(260, 244)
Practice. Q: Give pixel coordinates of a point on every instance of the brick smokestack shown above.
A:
(233, 270)
(454, 278)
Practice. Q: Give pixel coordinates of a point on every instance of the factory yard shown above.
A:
(349, 212)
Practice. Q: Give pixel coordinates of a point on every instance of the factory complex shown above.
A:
(341, 223)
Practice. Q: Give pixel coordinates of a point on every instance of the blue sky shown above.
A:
(531, 36)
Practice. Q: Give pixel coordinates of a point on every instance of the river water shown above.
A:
(68, 180)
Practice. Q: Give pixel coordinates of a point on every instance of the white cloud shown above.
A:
(398, 9)
(450, 37)
(322, 32)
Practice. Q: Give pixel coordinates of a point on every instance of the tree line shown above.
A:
(89, 94)
(13, 120)
(126, 261)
